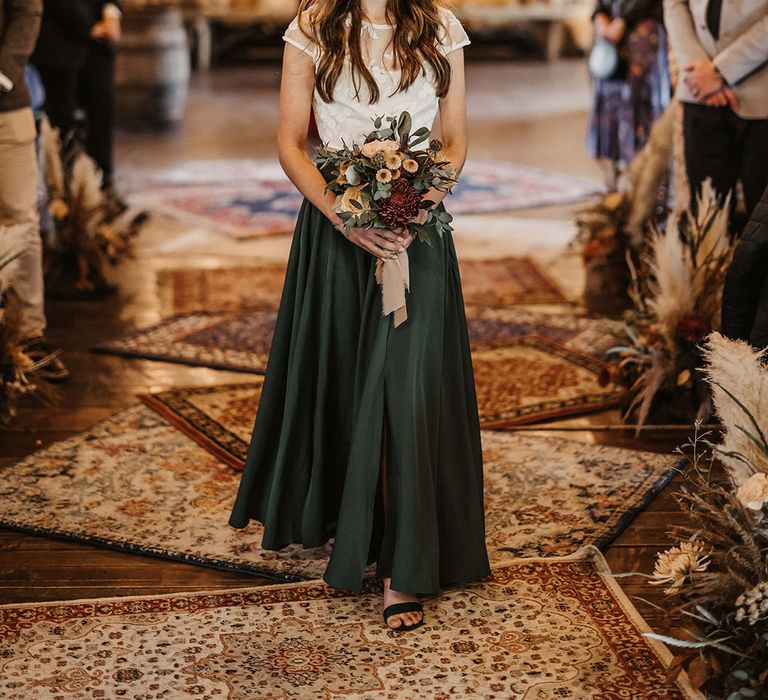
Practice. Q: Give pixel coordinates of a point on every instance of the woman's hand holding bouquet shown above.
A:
(380, 243)
(381, 189)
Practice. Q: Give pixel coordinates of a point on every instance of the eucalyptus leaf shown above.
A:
(382, 191)
(404, 125)
(418, 139)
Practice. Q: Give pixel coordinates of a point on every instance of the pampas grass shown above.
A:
(671, 295)
(727, 651)
(677, 294)
(739, 380)
(92, 231)
(646, 175)
(688, 265)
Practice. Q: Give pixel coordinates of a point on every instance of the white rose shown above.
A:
(753, 493)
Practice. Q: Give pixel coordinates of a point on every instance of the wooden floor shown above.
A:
(539, 121)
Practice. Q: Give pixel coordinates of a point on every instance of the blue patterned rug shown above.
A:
(251, 198)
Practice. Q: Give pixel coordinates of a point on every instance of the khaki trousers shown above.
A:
(19, 226)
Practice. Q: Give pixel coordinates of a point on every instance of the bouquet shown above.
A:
(384, 183)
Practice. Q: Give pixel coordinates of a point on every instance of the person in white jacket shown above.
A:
(722, 49)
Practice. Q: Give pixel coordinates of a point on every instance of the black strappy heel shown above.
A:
(398, 609)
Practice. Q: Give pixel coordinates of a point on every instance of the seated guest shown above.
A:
(75, 55)
(19, 23)
(722, 49)
(745, 297)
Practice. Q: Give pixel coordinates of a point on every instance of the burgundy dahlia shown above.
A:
(693, 329)
(401, 206)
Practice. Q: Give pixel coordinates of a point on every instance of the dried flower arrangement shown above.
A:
(676, 295)
(19, 373)
(92, 231)
(616, 224)
(718, 569)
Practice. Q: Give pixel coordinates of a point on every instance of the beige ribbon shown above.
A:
(395, 279)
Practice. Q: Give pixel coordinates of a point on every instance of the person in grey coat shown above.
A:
(722, 51)
(19, 229)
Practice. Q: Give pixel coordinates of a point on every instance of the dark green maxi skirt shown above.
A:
(340, 381)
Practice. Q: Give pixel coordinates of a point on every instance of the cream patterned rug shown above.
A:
(135, 483)
(540, 628)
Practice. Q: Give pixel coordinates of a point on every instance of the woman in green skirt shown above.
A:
(367, 432)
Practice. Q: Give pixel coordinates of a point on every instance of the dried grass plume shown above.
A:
(739, 379)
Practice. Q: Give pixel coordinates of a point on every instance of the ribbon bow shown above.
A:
(394, 277)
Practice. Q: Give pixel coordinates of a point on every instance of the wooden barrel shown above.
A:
(152, 71)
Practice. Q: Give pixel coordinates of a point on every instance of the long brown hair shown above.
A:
(415, 42)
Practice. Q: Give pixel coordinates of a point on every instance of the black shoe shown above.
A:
(51, 369)
(399, 609)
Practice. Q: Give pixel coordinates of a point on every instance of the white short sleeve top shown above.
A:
(349, 118)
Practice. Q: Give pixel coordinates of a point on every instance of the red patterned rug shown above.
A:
(236, 342)
(489, 283)
(507, 282)
(223, 289)
(556, 628)
(247, 199)
(532, 379)
(518, 381)
(241, 341)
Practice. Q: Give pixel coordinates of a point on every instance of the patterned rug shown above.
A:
(591, 336)
(219, 418)
(507, 282)
(554, 380)
(557, 628)
(492, 283)
(135, 483)
(531, 379)
(223, 289)
(241, 341)
(246, 199)
(236, 342)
